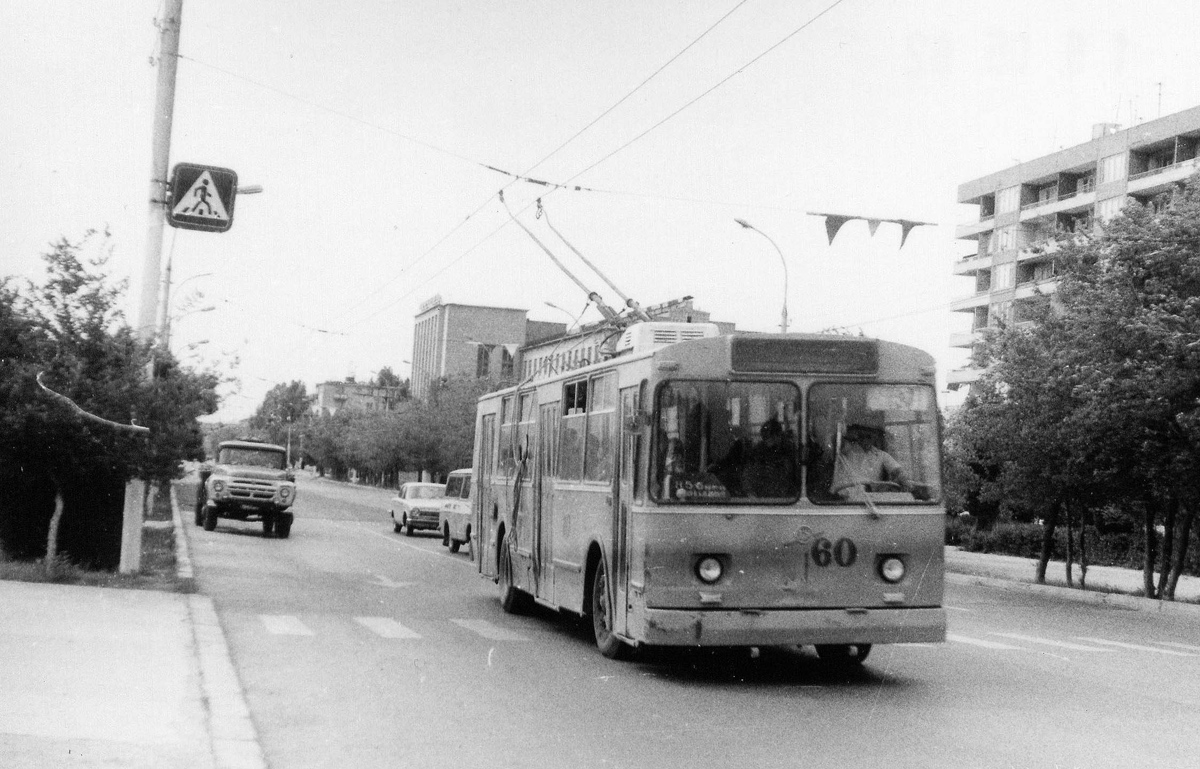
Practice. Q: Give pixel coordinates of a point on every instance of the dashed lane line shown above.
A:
(488, 630)
(284, 624)
(1136, 647)
(387, 627)
(1051, 642)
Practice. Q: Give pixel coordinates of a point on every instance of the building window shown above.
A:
(983, 281)
(1008, 200)
(483, 361)
(1113, 167)
(1110, 207)
(1005, 275)
(506, 363)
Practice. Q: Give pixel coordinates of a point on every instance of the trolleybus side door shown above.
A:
(484, 528)
(623, 491)
(544, 492)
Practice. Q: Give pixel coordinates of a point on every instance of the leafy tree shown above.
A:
(1098, 404)
(69, 330)
(284, 413)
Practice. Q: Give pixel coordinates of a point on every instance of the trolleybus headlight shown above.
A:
(708, 569)
(891, 569)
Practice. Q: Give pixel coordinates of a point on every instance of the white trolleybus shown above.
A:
(703, 490)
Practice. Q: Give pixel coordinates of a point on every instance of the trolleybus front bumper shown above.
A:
(786, 627)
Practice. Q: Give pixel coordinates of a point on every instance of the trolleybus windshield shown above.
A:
(722, 442)
(872, 443)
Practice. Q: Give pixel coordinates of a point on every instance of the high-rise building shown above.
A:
(470, 341)
(1037, 201)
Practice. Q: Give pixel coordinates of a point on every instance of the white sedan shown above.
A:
(417, 506)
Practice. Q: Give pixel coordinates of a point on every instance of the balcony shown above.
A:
(975, 229)
(964, 339)
(962, 376)
(970, 303)
(1156, 180)
(969, 265)
(1067, 201)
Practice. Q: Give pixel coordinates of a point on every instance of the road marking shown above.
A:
(1136, 647)
(962, 639)
(1189, 647)
(488, 630)
(284, 624)
(383, 581)
(386, 627)
(957, 608)
(1050, 642)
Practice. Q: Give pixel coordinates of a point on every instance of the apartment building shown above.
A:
(1071, 190)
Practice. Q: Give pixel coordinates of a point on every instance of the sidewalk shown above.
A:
(102, 677)
(1105, 584)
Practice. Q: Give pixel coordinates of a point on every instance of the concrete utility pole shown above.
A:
(164, 108)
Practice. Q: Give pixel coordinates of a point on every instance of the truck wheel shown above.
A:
(454, 545)
(283, 525)
(200, 506)
(268, 524)
(210, 518)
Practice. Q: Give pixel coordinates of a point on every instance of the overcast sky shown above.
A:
(372, 126)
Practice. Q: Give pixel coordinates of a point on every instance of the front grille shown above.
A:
(245, 490)
(425, 515)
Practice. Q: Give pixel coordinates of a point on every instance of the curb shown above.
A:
(231, 732)
(183, 556)
(1121, 600)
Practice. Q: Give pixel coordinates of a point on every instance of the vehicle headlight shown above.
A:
(284, 492)
(709, 569)
(218, 486)
(891, 569)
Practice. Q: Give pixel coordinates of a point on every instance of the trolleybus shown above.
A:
(697, 489)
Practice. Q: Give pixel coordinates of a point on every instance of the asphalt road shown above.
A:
(360, 647)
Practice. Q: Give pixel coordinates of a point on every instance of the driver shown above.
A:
(862, 462)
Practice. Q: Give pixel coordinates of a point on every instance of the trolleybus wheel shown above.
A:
(512, 599)
(608, 644)
(843, 655)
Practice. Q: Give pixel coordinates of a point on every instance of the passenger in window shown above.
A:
(770, 468)
(862, 464)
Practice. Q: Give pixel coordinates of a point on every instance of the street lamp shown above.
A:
(783, 322)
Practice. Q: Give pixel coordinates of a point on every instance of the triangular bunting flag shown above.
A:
(833, 224)
(872, 225)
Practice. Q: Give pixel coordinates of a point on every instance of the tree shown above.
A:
(1098, 404)
(69, 330)
(284, 412)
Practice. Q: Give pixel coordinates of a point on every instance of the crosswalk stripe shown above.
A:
(962, 639)
(1136, 647)
(1189, 647)
(284, 624)
(488, 630)
(1050, 642)
(386, 627)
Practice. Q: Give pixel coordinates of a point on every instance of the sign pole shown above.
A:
(164, 107)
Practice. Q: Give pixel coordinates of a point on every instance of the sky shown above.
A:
(381, 133)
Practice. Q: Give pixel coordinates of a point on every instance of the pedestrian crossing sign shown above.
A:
(201, 197)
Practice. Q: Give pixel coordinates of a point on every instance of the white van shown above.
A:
(455, 520)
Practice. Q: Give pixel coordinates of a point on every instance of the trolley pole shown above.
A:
(164, 109)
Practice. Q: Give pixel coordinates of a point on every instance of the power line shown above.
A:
(720, 83)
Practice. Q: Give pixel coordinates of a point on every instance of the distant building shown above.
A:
(1037, 201)
(470, 341)
(334, 396)
(502, 343)
(568, 351)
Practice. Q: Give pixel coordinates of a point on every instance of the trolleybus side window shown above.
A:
(508, 419)
(526, 419)
(872, 443)
(572, 431)
(599, 454)
(726, 442)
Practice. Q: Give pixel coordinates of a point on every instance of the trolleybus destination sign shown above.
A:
(201, 197)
